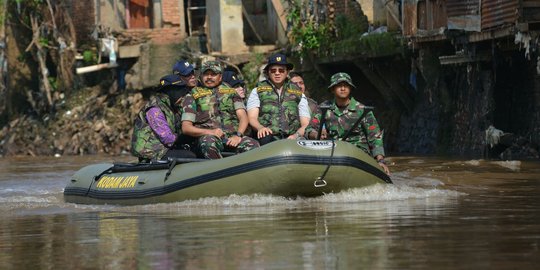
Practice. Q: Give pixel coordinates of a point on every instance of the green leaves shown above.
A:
(306, 34)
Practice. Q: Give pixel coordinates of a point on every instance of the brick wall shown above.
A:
(171, 13)
(83, 16)
(173, 24)
(157, 35)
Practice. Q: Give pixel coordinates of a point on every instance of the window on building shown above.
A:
(195, 16)
(140, 13)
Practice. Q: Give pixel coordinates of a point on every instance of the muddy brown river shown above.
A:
(440, 213)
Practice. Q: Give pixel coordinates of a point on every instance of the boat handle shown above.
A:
(319, 182)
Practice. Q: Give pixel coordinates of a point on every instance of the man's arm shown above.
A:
(189, 114)
(253, 115)
(158, 123)
(189, 129)
(304, 115)
(243, 120)
(235, 139)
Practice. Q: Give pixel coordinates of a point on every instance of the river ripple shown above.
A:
(439, 214)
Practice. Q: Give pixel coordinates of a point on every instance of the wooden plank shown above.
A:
(280, 11)
(390, 89)
(398, 90)
(376, 80)
(393, 15)
(246, 15)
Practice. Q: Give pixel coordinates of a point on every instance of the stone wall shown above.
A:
(456, 104)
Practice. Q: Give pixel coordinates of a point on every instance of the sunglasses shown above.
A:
(277, 70)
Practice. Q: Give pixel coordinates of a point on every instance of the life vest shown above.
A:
(216, 108)
(279, 113)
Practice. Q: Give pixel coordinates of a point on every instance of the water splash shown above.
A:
(46, 197)
(514, 165)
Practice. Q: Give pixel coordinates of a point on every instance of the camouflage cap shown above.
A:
(340, 77)
(215, 66)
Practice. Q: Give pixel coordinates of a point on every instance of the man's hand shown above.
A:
(263, 132)
(217, 132)
(382, 163)
(313, 135)
(234, 141)
(385, 168)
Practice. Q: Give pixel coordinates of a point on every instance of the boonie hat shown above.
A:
(231, 78)
(183, 68)
(278, 59)
(215, 66)
(170, 80)
(340, 77)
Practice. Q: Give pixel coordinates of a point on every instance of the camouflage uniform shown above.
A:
(367, 135)
(215, 108)
(144, 142)
(279, 113)
(313, 107)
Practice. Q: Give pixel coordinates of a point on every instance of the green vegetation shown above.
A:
(40, 27)
(89, 57)
(342, 36)
(307, 34)
(369, 45)
(250, 71)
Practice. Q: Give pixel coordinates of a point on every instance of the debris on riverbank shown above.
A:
(93, 123)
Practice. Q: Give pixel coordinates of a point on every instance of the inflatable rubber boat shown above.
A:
(288, 168)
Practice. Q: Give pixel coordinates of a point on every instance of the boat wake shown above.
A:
(404, 189)
(24, 200)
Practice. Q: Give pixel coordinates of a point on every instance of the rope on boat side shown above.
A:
(320, 182)
(171, 167)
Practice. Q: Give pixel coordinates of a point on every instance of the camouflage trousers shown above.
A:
(211, 146)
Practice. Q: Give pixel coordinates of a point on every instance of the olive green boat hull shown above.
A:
(284, 168)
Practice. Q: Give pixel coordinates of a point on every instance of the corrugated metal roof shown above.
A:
(423, 17)
(464, 15)
(499, 12)
(478, 15)
(456, 8)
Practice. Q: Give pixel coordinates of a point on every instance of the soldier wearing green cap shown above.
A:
(344, 112)
(277, 109)
(216, 115)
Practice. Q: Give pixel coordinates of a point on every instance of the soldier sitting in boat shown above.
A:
(231, 79)
(298, 79)
(277, 109)
(348, 120)
(186, 72)
(157, 127)
(216, 115)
